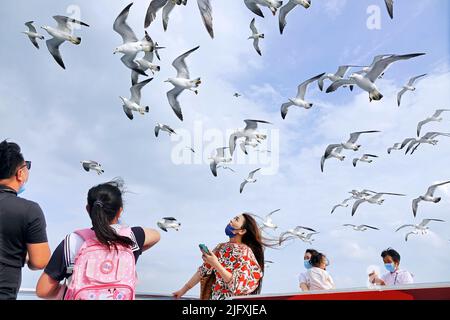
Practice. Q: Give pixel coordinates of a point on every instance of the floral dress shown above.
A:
(239, 260)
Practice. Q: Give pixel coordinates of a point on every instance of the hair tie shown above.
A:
(98, 203)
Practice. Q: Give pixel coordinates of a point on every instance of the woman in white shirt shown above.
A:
(317, 277)
(302, 278)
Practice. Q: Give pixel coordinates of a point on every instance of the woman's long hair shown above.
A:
(104, 202)
(253, 238)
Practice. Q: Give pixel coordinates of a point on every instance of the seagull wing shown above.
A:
(252, 173)
(86, 166)
(420, 124)
(251, 124)
(34, 41)
(121, 27)
(342, 70)
(213, 167)
(128, 112)
(348, 225)
(283, 13)
(404, 226)
(426, 221)
(414, 79)
(431, 189)
(339, 83)
(166, 12)
(242, 186)
(356, 205)
(64, 22)
(355, 160)
(408, 234)
(206, 12)
(30, 26)
(254, 7)
(221, 152)
(256, 46)
(382, 64)
(180, 65)
(329, 149)
(157, 128)
(153, 8)
(390, 7)
(301, 89)
(53, 46)
(242, 145)
(399, 96)
(284, 109)
(355, 135)
(438, 112)
(136, 90)
(232, 142)
(172, 96)
(370, 227)
(128, 60)
(406, 141)
(415, 205)
(270, 214)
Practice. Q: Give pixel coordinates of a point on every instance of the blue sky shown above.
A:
(60, 117)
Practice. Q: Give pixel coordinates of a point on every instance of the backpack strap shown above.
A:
(86, 234)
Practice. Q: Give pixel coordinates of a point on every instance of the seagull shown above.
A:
(299, 100)
(362, 227)
(409, 86)
(267, 263)
(375, 59)
(343, 204)
(390, 7)
(131, 45)
(255, 36)
(418, 228)
(363, 194)
(273, 5)
(429, 196)
(365, 158)
(427, 138)
(181, 82)
(133, 104)
(146, 62)
(332, 151)
(249, 179)
(287, 8)
(218, 158)
(92, 165)
(224, 167)
(297, 233)
(339, 75)
(165, 128)
(249, 133)
(434, 117)
(396, 146)
(63, 32)
(267, 220)
(248, 142)
(168, 222)
(237, 95)
(32, 34)
(351, 142)
(375, 199)
(367, 82)
(155, 5)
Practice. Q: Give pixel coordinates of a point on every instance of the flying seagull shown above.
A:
(297, 232)
(168, 222)
(396, 146)
(375, 199)
(146, 62)
(299, 100)
(204, 7)
(131, 45)
(434, 117)
(409, 86)
(429, 137)
(362, 227)
(92, 165)
(365, 158)
(332, 151)
(367, 81)
(181, 82)
(418, 228)
(339, 75)
(354, 136)
(218, 158)
(267, 220)
(224, 167)
(32, 34)
(163, 127)
(253, 6)
(429, 196)
(343, 204)
(237, 95)
(255, 36)
(248, 142)
(249, 179)
(134, 103)
(287, 8)
(249, 132)
(63, 32)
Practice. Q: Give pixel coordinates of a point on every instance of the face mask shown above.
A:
(390, 267)
(21, 190)
(307, 264)
(229, 231)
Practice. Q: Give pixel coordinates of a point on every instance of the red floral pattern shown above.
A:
(239, 260)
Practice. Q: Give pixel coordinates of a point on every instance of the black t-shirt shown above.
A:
(57, 267)
(22, 222)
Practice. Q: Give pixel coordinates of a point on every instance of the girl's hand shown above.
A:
(178, 294)
(210, 259)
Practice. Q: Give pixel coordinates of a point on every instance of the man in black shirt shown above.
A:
(23, 237)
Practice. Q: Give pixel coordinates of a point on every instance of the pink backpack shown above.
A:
(100, 273)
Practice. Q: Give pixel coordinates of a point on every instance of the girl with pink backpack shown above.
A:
(98, 263)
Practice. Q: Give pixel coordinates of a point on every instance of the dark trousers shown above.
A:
(10, 280)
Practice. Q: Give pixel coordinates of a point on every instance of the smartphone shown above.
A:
(204, 248)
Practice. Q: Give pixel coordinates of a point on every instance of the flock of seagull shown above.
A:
(249, 137)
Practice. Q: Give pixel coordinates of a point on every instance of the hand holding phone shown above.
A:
(204, 248)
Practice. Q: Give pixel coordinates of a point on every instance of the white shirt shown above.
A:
(303, 278)
(398, 277)
(319, 279)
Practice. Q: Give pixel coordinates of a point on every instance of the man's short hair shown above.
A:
(392, 253)
(10, 159)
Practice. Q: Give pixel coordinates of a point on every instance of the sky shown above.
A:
(60, 117)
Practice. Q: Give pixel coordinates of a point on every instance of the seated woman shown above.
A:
(317, 277)
(105, 206)
(234, 268)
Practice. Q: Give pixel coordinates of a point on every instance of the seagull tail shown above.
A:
(375, 95)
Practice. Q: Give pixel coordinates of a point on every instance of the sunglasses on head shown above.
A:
(27, 164)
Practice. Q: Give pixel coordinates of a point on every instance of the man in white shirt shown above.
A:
(395, 276)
